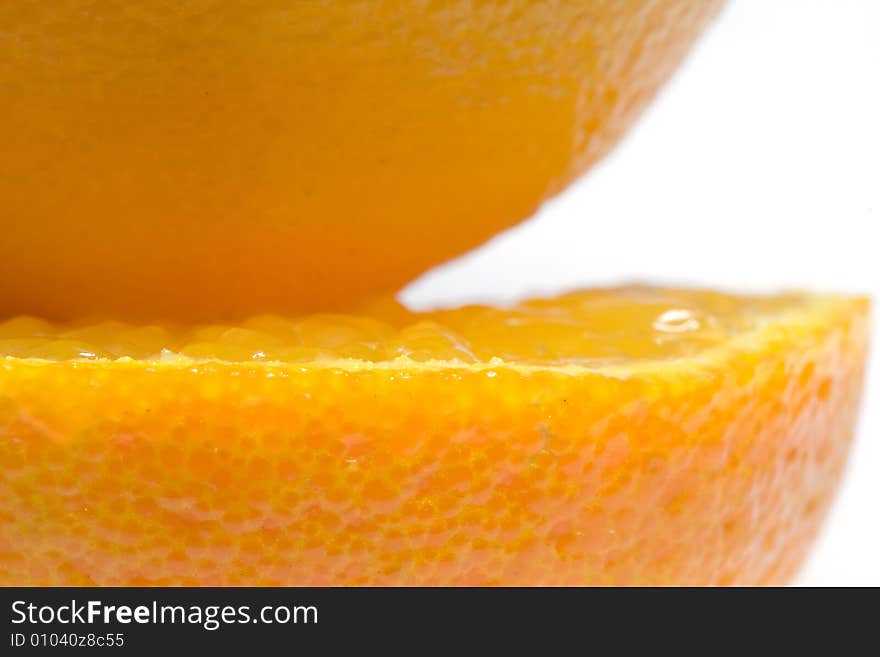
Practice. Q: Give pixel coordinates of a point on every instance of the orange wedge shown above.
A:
(210, 160)
(622, 436)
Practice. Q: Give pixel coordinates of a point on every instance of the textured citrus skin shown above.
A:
(711, 468)
(213, 159)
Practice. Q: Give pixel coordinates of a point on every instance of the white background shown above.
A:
(757, 168)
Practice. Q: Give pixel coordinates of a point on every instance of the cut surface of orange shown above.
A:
(217, 159)
(633, 435)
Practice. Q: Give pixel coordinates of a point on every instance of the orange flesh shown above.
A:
(630, 436)
(604, 327)
(164, 160)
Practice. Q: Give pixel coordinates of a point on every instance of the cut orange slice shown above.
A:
(216, 159)
(623, 436)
